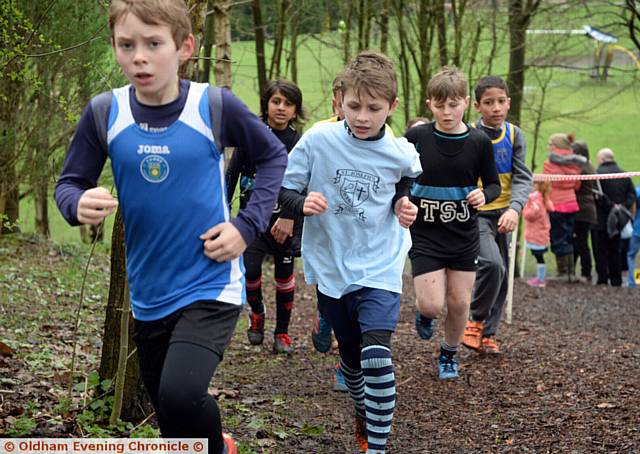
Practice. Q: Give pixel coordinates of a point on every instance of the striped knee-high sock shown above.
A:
(380, 395)
(355, 383)
(285, 289)
(254, 295)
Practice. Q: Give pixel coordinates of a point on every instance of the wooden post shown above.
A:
(512, 269)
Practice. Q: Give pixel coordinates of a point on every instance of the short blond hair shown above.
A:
(449, 82)
(173, 13)
(372, 72)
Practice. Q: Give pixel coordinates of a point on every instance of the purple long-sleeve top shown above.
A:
(240, 128)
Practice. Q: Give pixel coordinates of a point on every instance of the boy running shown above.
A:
(353, 247)
(185, 276)
(499, 218)
(445, 239)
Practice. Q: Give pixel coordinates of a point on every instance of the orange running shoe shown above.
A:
(229, 444)
(490, 346)
(473, 335)
(361, 434)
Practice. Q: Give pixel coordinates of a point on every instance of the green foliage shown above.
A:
(23, 426)
(145, 431)
(312, 431)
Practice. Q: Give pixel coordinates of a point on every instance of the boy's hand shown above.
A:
(223, 242)
(476, 198)
(508, 221)
(406, 211)
(94, 205)
(282, 229)
(314, 203)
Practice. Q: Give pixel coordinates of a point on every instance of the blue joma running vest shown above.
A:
(171, 189)
(503, 155)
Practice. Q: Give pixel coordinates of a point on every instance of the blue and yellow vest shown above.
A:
(503, 154)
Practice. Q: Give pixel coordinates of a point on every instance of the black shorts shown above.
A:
(422, 264)
(209, 324)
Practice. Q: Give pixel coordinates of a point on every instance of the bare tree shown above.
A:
(520, 15)
(275, 70)
(209, 37)
(441, 26)
(259, 39)
(384, 26)
(633, 21)
(135, 403)
(347, 33)
(223, 43)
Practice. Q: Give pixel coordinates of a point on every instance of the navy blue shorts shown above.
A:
(427, 264)
(358, 312)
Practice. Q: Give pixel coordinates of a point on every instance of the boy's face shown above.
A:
(366, 114)
(148, 57)
(448, 114)
(493, 106)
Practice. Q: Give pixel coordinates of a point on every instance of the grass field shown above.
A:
(604, 114)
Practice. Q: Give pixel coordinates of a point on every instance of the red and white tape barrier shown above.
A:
(597, 176)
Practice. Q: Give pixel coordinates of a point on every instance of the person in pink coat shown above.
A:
(563, 161)
(537, 227)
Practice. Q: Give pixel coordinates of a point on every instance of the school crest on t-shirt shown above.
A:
(355, 189)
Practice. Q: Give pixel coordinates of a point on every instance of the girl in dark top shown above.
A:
(587, 217)
(282, 111)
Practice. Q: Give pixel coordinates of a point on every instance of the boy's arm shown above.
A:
(296, 182)
(488, 171)
(242, 129)
(522, 178)
(403, 188)
(82, 167)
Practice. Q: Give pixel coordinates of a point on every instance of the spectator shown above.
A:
(587, 217)
(634, 244)
(563, 161)
(614, 211)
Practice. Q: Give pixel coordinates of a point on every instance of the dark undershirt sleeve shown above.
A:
(489, 172)
(403, 188)
(292, 201)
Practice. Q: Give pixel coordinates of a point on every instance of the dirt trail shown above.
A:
(567, 381)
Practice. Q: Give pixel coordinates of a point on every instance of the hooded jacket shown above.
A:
(563, 193)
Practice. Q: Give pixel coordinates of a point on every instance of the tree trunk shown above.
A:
(362, 7)
(197, 9)
(275, 70)
(346, 43)
(633, 21)
(494, 36)
(41, 202)
(520, 13)
(9, 200)
(405, 71)
(9, 190)
(135, 402)
(384, 26)
(441, 26)
(458, 9)
(426, 30)
(260, 55)
(293, 43)
(207, 45)
(223, 43)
